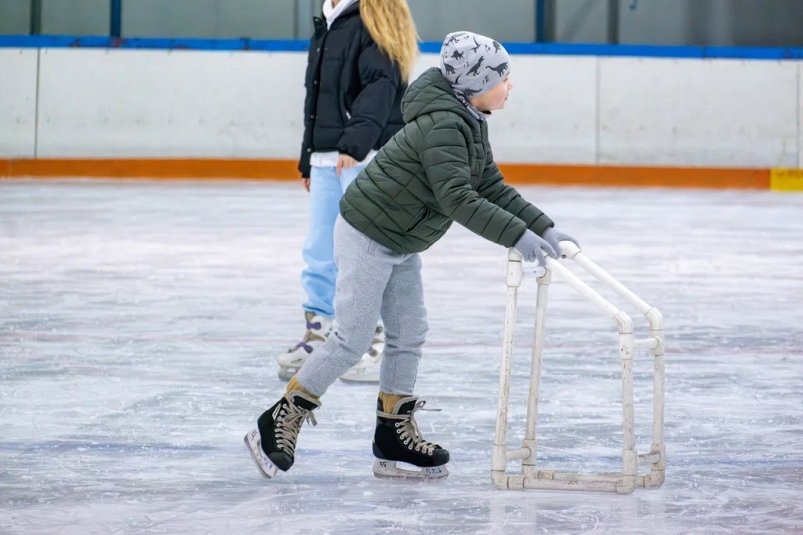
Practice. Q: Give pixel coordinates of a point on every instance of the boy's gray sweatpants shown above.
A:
(372, 281)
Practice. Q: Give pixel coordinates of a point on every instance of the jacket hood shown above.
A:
(330, 15)
(429, 93)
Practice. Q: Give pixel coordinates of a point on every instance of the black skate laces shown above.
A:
(288, 424)
(407, 429)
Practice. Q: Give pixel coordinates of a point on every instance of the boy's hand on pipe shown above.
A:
(554, 236)
(532, 247)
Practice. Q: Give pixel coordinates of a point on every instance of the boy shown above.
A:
(439, 168)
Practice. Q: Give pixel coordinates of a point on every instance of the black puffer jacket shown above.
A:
(439, 168)
(354, 91)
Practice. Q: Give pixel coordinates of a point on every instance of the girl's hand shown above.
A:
(344, 161)
(305, 183)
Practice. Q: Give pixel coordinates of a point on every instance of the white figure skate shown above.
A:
(318, 328)
(367, 370)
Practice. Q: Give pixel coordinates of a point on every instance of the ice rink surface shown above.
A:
(139, 321)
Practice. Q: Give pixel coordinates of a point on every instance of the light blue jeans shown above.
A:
(318, 278)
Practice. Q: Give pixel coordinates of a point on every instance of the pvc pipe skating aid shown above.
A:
(531, 476)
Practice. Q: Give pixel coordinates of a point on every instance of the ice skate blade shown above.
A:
(359, 378)
(253, 442)
(391, 470)
(366, 371)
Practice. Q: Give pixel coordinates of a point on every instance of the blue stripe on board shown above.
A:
(63, 41)
(656, 51)
(300, 45)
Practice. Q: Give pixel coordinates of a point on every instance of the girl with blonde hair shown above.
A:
(361, 56)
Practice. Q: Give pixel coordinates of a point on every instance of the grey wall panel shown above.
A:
(678, 22)
(581, 21)
(76, 17)
(712, 22)
(259, 19)
(511, 20)
(15, 17)
(306, 9)
(660, 22)
(768, 22)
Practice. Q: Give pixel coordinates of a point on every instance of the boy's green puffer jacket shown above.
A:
(437, 169)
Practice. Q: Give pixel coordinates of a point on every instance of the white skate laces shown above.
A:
(407, 429)
(288, 425)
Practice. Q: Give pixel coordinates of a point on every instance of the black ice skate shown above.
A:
(273, 443)
(397, 440)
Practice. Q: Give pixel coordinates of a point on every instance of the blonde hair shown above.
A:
(392, 28)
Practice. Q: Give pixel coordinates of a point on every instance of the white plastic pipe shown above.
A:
(499, 457)
(531, 477)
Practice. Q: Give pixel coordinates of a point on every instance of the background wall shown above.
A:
(155, 103)
(662, 22)
(15, 16)
(513, 22)
(91, 103)
(274, 19)
(75, 17)
(678, 22)
(712, 22)
(717, 112)
(18, 101)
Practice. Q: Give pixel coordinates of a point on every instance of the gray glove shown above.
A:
(554, 236)
(532, 247)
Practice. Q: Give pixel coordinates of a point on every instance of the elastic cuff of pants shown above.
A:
(295, 385)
